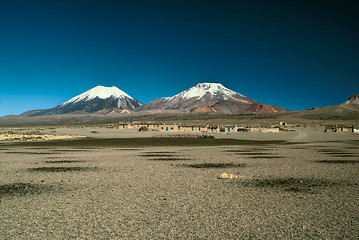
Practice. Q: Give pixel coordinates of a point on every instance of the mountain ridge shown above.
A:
(212, 97)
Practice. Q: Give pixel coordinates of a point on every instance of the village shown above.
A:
(281, 126)
(192, 128)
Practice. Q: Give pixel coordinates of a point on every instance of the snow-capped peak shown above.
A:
(202, 89)
(98, 92)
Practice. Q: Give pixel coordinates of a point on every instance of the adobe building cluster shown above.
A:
(192, 128)
(342, 129)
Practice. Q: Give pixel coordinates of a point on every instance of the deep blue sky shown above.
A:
(294, 54)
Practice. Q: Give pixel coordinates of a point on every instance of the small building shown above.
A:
(355, 129)
(193, 128)
(339, 129)
(242, 129)
(269, 130)
(149, 126)
(230, 128)
(262, 129)
(138, 125)
(212, 128)
(253, 129)
(187, 128)
(347, 129)
(332, 129)
(123, 125)
(168, 128)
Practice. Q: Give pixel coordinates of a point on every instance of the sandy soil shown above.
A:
(126, 185)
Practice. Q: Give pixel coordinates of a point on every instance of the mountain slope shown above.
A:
(353, 99)
(212, 95)
(93, 100)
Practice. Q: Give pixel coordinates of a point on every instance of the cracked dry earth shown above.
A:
(87, 191)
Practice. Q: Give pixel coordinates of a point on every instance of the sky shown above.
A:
(293, 54)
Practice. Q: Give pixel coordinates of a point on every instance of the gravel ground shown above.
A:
(284, 190)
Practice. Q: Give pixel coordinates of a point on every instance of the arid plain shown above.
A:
(123, 184)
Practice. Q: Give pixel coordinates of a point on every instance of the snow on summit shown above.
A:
(202, 89)
(99, 92)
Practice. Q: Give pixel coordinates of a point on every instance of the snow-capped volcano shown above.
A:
(212, 96)
(214, 90)
(91, 101)
(99, 92)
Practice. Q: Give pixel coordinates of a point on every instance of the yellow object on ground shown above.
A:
(227, 176)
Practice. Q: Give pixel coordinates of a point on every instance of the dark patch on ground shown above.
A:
(65, 161)
(340, 161)
(239, 150)
(157, 155)
(300, 148)
(163, 156)
(60, 157)
(331, 151)
(32, 153)
(63, 169)
(169, 159)
(6, 149)
(341, 153)
(266, 156)
(129, 149)
(214, 165)
(70, 150)
(345, 155)
(158, 152)
(248, 150)
(39, 148)
(338, 153)
(22, 189)
(255, 153)
(134, 142)
(89, 148)
(303, 185)
(351, 147)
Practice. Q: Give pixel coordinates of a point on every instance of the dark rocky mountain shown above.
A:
(212, 96)
(353, 99)
(94, 100)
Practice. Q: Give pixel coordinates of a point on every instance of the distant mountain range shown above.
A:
(204, 97)
(107, 105)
